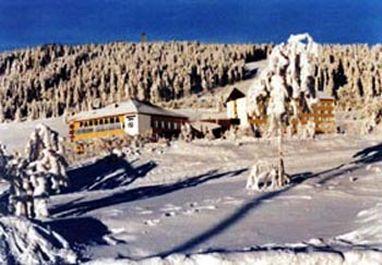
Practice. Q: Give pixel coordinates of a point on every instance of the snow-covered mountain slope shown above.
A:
(190, 199)
(15, 135)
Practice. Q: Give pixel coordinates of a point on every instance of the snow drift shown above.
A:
(25, 242)
(259, 257)
(370, 230)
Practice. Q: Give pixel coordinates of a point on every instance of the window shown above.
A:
(163, 125)
(130, 122)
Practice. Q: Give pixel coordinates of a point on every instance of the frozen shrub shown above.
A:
(264, 176)
(186, 133)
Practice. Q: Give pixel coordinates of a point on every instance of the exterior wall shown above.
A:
(232, 109)
(131, 124)
(96, 128)
(166, 126)
(237, 109)
(322, 115)
(144, 124)
(241, 105)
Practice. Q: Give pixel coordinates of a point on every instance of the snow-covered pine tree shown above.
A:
(20, 197)
(284, 89)
(4, 158)
(33, 177)
(45, 155)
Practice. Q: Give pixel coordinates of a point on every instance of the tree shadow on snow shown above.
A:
(80, 231)
(82, 207)
(369, 155)
(107, 173)
(240, 213)
(361, 159)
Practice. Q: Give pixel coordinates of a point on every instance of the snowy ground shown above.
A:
(190, 198)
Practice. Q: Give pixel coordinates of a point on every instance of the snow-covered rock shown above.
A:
(25, 242)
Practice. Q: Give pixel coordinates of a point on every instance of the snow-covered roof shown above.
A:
(200, 125)
(323, 95)
(235, 93)
(213, 116)
(132, 106)
(257, 65)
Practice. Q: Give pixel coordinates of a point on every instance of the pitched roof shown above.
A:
(233, 94)
(132, 106)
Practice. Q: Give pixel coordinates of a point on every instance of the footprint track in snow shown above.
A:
(152, 222)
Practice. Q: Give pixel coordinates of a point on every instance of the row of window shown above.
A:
(326, 125)
(325, 119)
(100, 128)
(165, 125)
(101, 121)
(318, 119)
(319, 113)
(326, 103)
(324, 111)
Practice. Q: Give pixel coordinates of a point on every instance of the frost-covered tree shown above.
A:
(45, 155)
(285, 89)
(49, 80)
(36, 175)
(4, 159)
(14, 171)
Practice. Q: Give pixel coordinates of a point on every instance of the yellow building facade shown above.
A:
(322, 114)
(126, 118)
